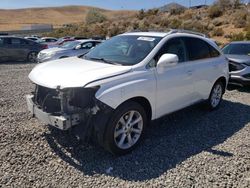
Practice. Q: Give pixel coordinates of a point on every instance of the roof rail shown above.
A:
(165, 30)
(187, 31)
(170, 31)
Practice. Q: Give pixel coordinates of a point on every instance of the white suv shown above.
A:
(113, 92)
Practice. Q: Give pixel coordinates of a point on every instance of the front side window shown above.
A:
(237, 49)
(173, 46)
(124, 49)
(197, 48)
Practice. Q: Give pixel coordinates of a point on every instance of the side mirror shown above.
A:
(78, 47)
(168, 60)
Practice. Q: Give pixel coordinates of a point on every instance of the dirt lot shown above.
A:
(191, 148)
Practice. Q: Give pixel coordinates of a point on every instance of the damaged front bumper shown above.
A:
(63, 122)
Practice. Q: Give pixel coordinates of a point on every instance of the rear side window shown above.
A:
(197, 48)
(213, 52)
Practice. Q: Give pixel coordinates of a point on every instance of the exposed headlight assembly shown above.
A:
(83, 97)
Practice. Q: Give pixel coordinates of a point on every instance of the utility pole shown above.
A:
(189, 3)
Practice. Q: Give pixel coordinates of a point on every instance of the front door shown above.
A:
(174, 83)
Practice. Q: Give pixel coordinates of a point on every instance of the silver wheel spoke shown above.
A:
(136, 121)
(137, 131)
(121, 142)
(130, 141)
(131, 114)
(122, 121)
(119, 132)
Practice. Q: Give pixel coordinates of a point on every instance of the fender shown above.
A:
(124, 87)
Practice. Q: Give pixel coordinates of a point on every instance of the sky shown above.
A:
(107, 4)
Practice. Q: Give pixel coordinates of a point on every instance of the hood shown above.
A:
(73, 72)
(239, 58)
(53, 50)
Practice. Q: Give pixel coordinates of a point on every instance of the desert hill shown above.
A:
(14, 19)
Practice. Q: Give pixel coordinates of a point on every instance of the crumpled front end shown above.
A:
(65, 109)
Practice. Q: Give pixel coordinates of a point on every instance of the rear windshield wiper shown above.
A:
(103, 60)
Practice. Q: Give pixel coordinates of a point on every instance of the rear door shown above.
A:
(202, 66)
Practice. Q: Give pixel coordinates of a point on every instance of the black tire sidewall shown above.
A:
(109, 141)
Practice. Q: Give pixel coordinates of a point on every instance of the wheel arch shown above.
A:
(223, 80)
(144, 102)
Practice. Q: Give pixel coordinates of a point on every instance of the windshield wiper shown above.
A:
(103, 60)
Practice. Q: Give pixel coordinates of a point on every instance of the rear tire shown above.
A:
(215, 96)
(125, 129)
(32, 57)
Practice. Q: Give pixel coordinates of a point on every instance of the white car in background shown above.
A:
(69, 49)
(113, 92)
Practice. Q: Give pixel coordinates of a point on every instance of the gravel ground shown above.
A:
(191, 148)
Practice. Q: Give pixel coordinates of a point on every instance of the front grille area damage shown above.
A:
(66, 101)
(47, 99)
(75, 108)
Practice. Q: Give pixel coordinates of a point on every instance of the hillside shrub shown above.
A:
(141, 14)
(217, 21)
(175, 24)
(95, 16)
(177, 11)
(218, 32)
(237, 36)
(214, 11)
(240, 19)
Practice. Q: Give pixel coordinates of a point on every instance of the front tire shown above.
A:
(215, 97)
(125, 129)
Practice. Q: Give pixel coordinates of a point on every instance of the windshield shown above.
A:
(70, 44)
(237, 49)
(124, 49)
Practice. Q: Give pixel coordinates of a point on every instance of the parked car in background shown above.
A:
(34, 39)
(238, 54)
(79, 38)
(112, 93)
(19, 49)
(60, 42)
(49, 40)
(69, 49)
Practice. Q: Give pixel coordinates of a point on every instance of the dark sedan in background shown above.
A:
(19, 49)
(238, 54)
